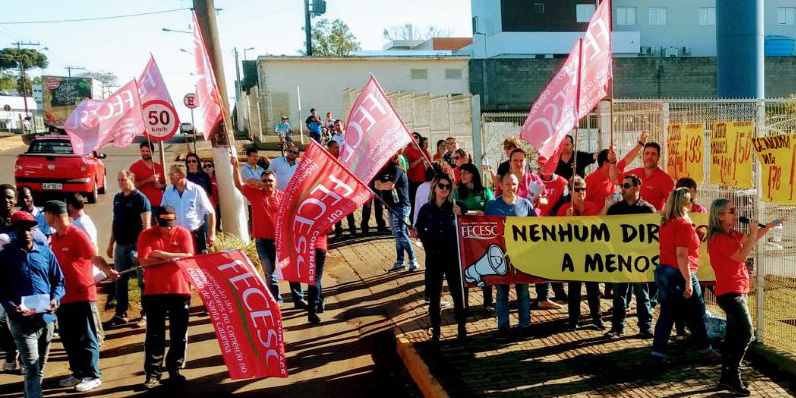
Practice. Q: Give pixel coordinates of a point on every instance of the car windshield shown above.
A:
(51, 146)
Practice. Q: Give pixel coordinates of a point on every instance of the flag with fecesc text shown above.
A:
(596, 69)
(245, 316)
(117, 119)
(373, 134)
(321, 192)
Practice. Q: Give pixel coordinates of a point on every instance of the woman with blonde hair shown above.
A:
(728, 250)
(675, 276)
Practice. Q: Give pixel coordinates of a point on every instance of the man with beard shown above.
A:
(149, 176)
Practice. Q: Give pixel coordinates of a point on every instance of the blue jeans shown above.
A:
(79, 336)
(740, 331)
(125, 256)
(315, 291)
(523, 305)
(402, 242)
(266, 249)
(671, 286)
(33, 338)
(643, 307)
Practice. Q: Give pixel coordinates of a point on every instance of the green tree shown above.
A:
(332, 39)
(30, 58)
(8, 81)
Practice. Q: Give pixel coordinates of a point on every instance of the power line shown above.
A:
(93, 19)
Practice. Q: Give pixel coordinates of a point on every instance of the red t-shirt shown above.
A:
(589, 210)
(264, 211)
(599, 186)
(74, 251)
(731, 276)
(417, 173)
(656, 188)
(679, 233)
(695, 208)
(142, 172)
(165, 278)
(553, 190)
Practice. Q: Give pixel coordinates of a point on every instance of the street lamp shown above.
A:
(176, 31)
(186, 51)
(244, 52)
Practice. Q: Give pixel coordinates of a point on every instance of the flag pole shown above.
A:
(577, 111)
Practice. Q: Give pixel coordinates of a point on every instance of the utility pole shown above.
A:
(308, 27)
(238, 124)
(233, 214)
(22, 79)
(70, 68)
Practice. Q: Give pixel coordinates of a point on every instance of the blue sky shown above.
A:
(122, 46)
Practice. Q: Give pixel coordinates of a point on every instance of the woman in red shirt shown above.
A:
(675, 276)
(728, 250)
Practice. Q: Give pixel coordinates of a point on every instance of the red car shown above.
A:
(50, 166)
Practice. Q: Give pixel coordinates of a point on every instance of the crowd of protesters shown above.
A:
(53, 250)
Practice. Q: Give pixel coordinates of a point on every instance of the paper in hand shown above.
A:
(38, 302)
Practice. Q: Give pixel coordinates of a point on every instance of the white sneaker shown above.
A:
(88, 384)
(414, 265)
(9, 366)
(70, 381)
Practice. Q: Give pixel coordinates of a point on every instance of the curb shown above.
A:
(784, 361)
(417, 368)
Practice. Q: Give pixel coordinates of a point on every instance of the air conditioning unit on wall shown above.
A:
(671, 52)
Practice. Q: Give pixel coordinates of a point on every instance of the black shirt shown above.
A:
(203, 180)
(584, 159)
(394, 173)
(640, 207)
(127, 224)
(436, 227)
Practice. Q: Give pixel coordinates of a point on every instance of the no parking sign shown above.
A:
(161, 120)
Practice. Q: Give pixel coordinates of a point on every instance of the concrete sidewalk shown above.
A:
(552, 363)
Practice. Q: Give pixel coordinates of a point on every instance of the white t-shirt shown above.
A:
(284, 171)
(421, 198)
(84, 222)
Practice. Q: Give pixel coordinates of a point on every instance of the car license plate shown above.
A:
(52, 185)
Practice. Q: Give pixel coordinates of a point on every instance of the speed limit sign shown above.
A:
(161, 120)
(189, 100)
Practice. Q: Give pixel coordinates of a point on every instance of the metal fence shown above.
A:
(773, 295)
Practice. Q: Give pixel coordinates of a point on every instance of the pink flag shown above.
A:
(151, 85)
(555, 110)
(245, 315)
(597, 64)
(118, 119)
(207, 95)
(319, 195)
(373, 134)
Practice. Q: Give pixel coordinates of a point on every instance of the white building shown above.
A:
(12, 111)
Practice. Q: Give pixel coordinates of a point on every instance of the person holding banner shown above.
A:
(631, 203)
(728, 250)
(393, 187)
(436, 227)
(676, 277)
(509, 203)
(167, 292)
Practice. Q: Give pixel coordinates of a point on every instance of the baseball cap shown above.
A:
(284, 117)
(55, 207)
(165, 216)
(23, 218)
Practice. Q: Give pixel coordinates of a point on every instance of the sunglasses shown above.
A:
(269, 180)
(191, 161)
(444, 187)
(627, 185)
(293, 152)
(578, 189)
(208, 166)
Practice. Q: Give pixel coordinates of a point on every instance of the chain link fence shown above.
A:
(772, 299)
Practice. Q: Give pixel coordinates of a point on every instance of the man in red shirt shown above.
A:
(76, 255)
(602, 182)
(149, 176)
(167, 292)
(656, 185)
(555, 188)
(266, 200)
(417, 167)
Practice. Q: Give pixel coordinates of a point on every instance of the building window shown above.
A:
(786, 15)
(657, 15)
(453, 73)
(583, 12)
(419, 74)
(707, 15)
(475, 25)
(625, 15)
(538, 8)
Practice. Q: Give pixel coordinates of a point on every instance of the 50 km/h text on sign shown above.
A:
(161, 120)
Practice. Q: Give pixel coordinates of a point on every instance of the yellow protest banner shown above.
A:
(731, 154)
(615, 249)
(777, 155)
(684, 146)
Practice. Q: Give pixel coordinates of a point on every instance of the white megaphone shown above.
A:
(493, 262)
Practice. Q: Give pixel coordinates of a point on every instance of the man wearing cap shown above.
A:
(167, 292)
(131, 214)
(192, 206)
(285, 167)
(29, 270)
(266, 201)
(283, 129)
(76, 255)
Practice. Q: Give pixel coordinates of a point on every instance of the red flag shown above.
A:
(151, 85)
(207, 95)
(555, 110)
(597, 64)
(245, 315)
(373, 134)
(118, 119)
(321, 192)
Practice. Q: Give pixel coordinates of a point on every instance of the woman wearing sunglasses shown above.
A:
(197, 176)
(728, 250)
(436, 227)
(676, 277)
